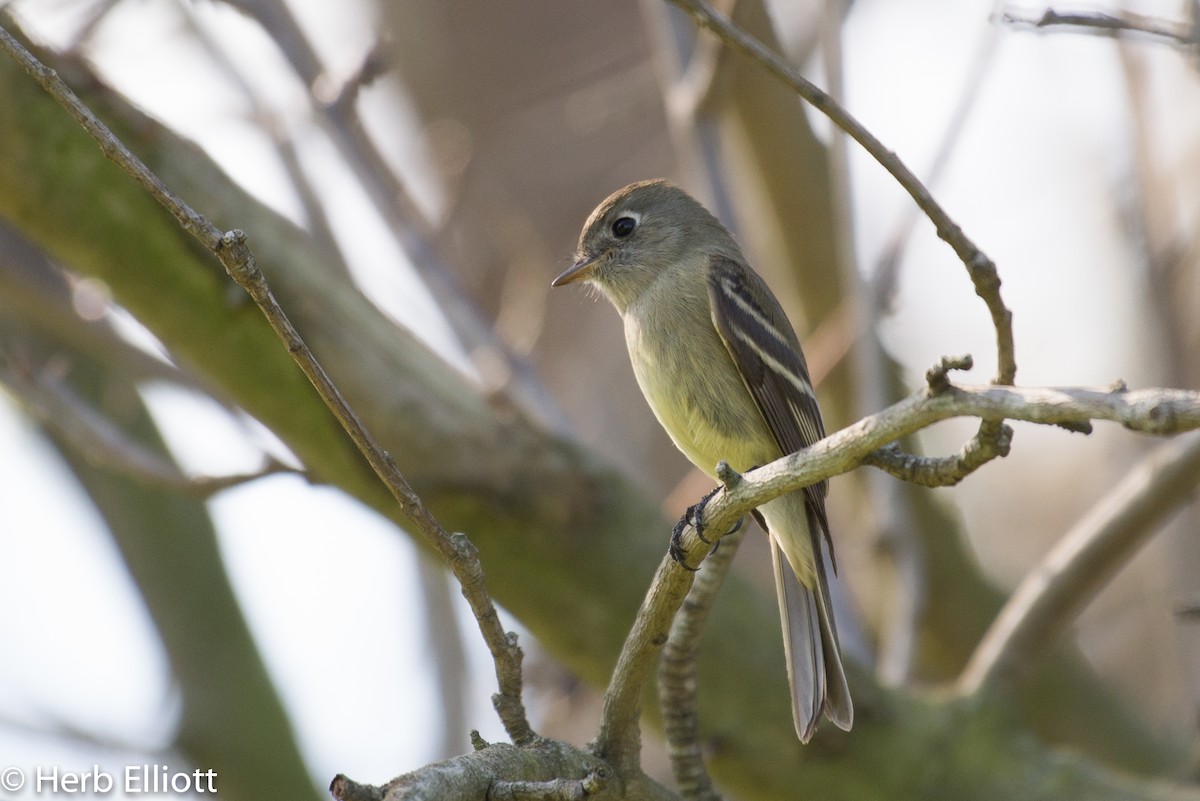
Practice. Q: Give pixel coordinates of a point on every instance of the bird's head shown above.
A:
(637, 234)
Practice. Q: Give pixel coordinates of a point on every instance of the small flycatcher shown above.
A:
(723, 371)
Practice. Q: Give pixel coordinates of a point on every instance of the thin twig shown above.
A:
(886, 270)
(1149, 411)
(980, 268)
(940, 471)
(105, 445)
(1082, 563)
(272, 123)
(395, 203)
(992, 437)
(235, 255)
(191, 221)
(1100, 24)
(859, 314)
(619, 739)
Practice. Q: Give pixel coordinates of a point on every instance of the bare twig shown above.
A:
(1149, 411)
(395, 203)
(859, 314)
(619, 740)
(980, 268)
(273, 125)
(1083, 562)
(946, 471)
(940, 471)
(992, 437)
(234, 254)
(885, 272)
(102, 443)
(191, 221)
(1100, 24)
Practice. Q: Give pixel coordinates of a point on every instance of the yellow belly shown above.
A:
(696, 392)
(699, 398)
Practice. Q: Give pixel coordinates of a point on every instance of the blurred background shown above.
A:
(441, 157)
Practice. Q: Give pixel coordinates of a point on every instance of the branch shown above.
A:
(234, 254)
(103, 444)
(1083, 561)
(992, 438)
(885, 272)
(944, 471)
(980, 268)
(1156, 411)
(619, 739)
(493, 772)
(1101, 24)
(395, 203)
(1149, 411)
(677, 681)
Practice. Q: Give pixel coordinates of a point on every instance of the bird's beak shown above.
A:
(581, 270)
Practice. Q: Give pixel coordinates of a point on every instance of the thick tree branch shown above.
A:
(546, 769)
(1083, 561)
(235, 255)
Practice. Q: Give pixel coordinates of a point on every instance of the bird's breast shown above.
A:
(693, 387)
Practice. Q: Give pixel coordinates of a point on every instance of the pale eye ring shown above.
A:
(623, 226)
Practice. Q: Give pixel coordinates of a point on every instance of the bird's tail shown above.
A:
(814, 661)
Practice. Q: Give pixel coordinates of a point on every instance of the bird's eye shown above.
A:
(623, 227)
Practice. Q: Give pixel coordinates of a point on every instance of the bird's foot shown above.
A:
(676, 549)
(694, 516)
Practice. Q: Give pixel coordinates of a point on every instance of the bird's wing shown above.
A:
(767, 354)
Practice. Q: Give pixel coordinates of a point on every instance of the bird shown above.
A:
(722, 369)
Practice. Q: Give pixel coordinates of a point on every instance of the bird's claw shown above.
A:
(676, 549)
(694, 516)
